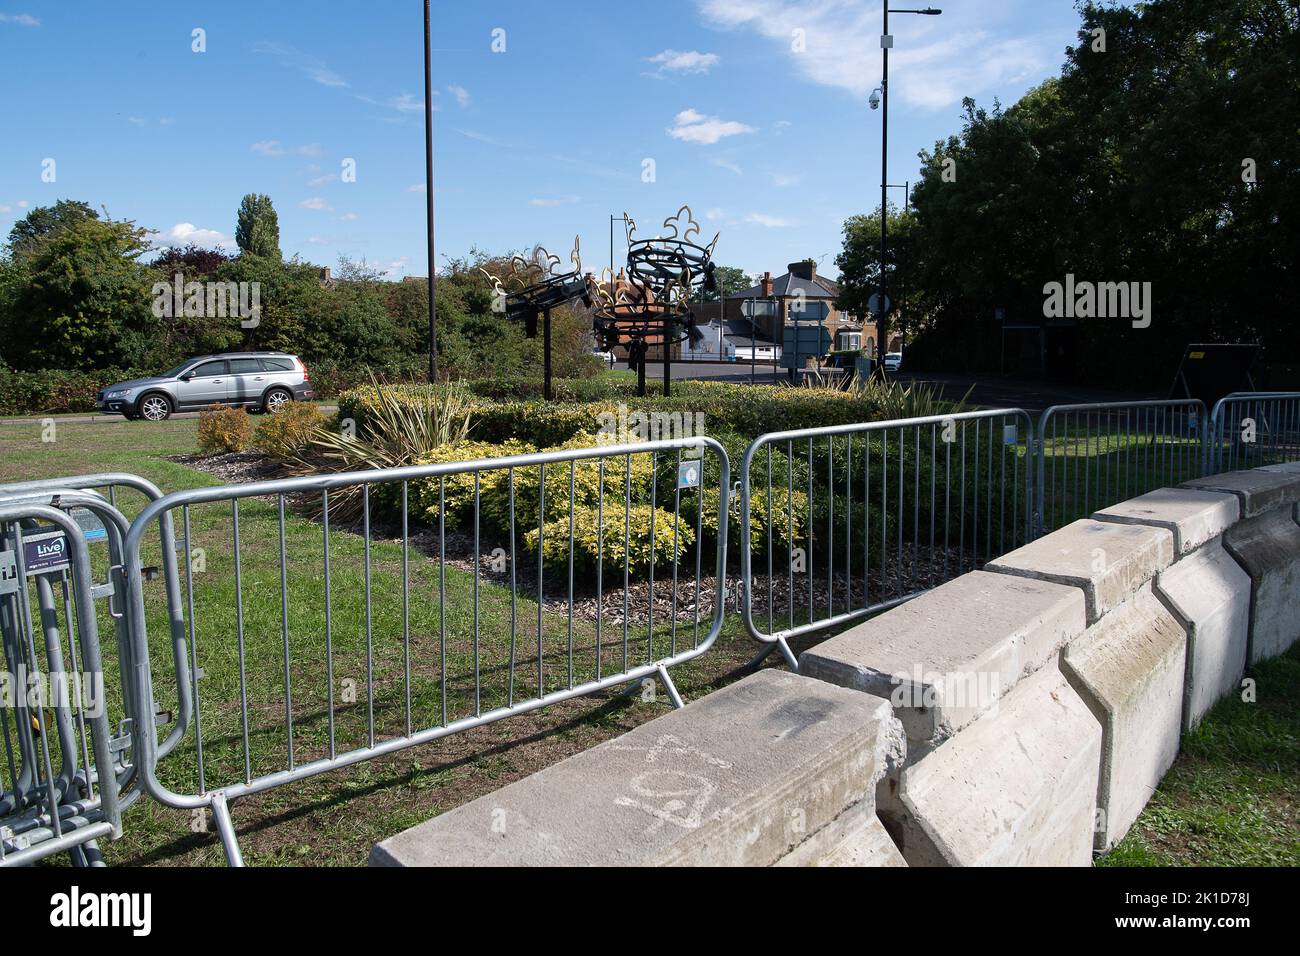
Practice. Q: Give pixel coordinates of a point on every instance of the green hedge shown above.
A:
(54, 391)
(744, 410)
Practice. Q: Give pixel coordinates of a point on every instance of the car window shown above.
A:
(245, 366)
(210, 370)
(278, 365)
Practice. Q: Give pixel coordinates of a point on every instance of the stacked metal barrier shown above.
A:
(46, 527)
(62, 791)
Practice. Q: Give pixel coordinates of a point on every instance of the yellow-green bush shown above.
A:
(286, 433)
(457, 491)
(783, 532)
(587, 486)
(589, 543)
(223, 429)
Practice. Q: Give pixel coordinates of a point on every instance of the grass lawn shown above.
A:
(1233, 796)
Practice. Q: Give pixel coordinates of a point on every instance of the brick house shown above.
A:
(802, 284)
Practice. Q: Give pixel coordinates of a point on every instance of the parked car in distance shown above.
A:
(893, 361)
(265, 381)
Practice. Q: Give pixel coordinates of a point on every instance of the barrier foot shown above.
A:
(671, 688)
(766, 652)
(226, 830)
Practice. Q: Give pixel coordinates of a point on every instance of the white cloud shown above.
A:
(273, 147)
(562, 201)
(136, 120)
(5, 209)
(715, 214)
(319, 241)
(417, 188)
(349, 217)
(22, 204)
(393, 267)
(782, 180)
(320, 181)
(316, 203)
(690, 126)
(310, 66)
(184, 233)
(461, 94)
(769, 222)
(692, 61)
(406, 103)
(21, 19)
(728, 165)
(934, 63)
(166, 120)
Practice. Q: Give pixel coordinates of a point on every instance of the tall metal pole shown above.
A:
(882, 317)
(428, 185)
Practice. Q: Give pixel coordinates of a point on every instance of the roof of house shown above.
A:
(790, 285)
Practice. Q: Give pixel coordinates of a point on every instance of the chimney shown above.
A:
(767, 285)
(325, 276)
(806, 269)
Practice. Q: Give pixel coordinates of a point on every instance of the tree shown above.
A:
(43, 222)
(86, 301)
(859, 265)
(258, 229)
(730, 280)
(192, 261)
(1168, 158)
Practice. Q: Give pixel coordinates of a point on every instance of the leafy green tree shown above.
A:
(859, 265)
(730, 280)
(44, 221)
(257, 231)
(1164, 153)
(85, 302)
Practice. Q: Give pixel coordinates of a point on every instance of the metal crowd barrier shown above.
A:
(1093, 456)
(65, 785)
(331, 663)
(1252, 429)
(56, 492)
(850, 520)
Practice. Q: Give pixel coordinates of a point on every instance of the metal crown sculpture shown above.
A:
(652, 306)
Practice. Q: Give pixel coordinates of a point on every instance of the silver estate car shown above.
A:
(254, 380)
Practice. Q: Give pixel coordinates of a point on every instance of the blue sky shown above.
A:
(771, 145)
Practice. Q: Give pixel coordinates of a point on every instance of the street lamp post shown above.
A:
(886, 42)
(429, 196)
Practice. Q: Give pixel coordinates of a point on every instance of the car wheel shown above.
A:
(276, 399)
(155, 408)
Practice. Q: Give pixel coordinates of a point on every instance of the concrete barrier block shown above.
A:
(1130, 669)
(1211, 594)
(1018, 787)
(948, 656)
(1259, 491)
(1194, 517)
(856, 839)
(739, 777)
(1109, 561)
(1290, 468)
(1268, 548)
